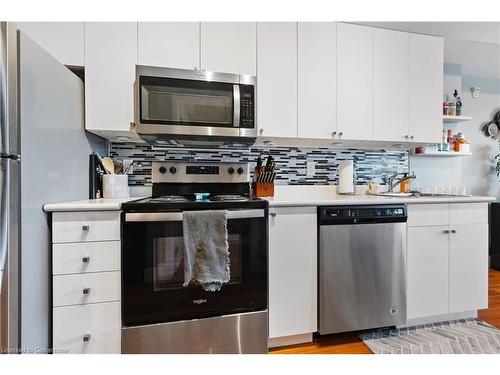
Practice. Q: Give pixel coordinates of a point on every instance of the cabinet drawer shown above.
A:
(84, 257)
(428, 214)
(92, 329)
(85, 226)
(468, 213)
(86, 288)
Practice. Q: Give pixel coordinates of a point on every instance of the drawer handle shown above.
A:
(273, 214)
(86, 259)
(447, 231)
(85, 228)
(86, 291)
(86, 337)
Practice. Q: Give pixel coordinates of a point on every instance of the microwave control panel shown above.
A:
(247, 107)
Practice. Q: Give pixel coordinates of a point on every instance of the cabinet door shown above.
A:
(277, 79)
(292, 271)
(469, 267)
(63, 40)
(427, 271)
(229, 47)
(87, 329)
(426, 88)
(169, 44)
(354, 81)
(390, 85)
(110, 58)
(317, 79)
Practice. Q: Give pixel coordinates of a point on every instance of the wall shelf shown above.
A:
(456, 118)
(442, 154)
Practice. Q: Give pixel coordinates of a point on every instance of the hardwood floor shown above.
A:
(350, 343)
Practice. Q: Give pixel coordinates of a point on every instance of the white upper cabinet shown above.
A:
(229, 47)
(277, 79)
(426, 88)
(390, 85)
(354, 81)
(169, 44)
(63, 40)
(110, 59)
(317, 79)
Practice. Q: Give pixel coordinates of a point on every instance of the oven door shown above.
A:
(153, 269)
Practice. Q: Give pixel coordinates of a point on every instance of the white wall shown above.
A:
(475, 64)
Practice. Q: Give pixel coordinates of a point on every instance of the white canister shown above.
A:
(115, 186)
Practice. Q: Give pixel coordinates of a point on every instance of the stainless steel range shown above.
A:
(159, 314)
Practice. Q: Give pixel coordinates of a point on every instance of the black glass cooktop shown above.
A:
(179, 203)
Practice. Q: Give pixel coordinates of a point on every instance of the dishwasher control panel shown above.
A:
(362, 214)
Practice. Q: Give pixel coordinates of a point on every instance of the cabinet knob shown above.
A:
(412, 136)
(447, 231)
(86, 337)
(407, 136)
(86, 290)
(261, 131)
(341, 134)
(453, 231)
(85, 228)
(273, 214)
(86, 259)
(334, 134)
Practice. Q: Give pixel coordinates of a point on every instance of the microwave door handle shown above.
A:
(236, 106)
(177, 216)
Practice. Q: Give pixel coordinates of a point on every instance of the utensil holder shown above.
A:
(115, 186)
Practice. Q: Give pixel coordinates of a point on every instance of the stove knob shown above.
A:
(240, 170)
(230, 170)
(173, 170)
(163, 170)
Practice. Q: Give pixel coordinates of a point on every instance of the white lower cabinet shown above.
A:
(469, 267)
(447, 259)
(427, 271)
(86, 282)
(87, 329)
(292, 271)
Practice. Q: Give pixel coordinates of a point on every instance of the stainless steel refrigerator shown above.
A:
(44, 159)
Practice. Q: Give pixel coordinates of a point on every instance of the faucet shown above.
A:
(393, 181)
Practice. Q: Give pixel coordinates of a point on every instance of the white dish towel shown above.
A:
(206, 249)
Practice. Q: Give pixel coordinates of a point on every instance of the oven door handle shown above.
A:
(177, 216)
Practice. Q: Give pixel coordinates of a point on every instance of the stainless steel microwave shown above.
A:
(194, 108)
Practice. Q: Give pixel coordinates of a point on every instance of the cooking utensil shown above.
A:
(118, 166)
(128, 168)
(108, 164)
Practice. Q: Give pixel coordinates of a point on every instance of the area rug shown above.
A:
(465, 336)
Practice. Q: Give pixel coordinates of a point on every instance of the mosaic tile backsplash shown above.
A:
(370, 165)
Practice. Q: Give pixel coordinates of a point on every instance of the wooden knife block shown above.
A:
(264, 189)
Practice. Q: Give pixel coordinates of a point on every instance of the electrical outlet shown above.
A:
(475, 92)
(126, 163)
(311, 168)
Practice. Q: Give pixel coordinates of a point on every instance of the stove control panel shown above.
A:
(181, 172)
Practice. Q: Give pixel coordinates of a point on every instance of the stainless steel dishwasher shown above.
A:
(362, 267)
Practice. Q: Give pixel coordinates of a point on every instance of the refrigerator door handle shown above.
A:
(4, 179)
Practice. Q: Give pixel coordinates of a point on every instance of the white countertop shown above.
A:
(295, 195)
(89, 205)
(326, 195)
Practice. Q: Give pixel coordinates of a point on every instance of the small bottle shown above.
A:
(458, 103)
(404, 185)
(445, 105)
